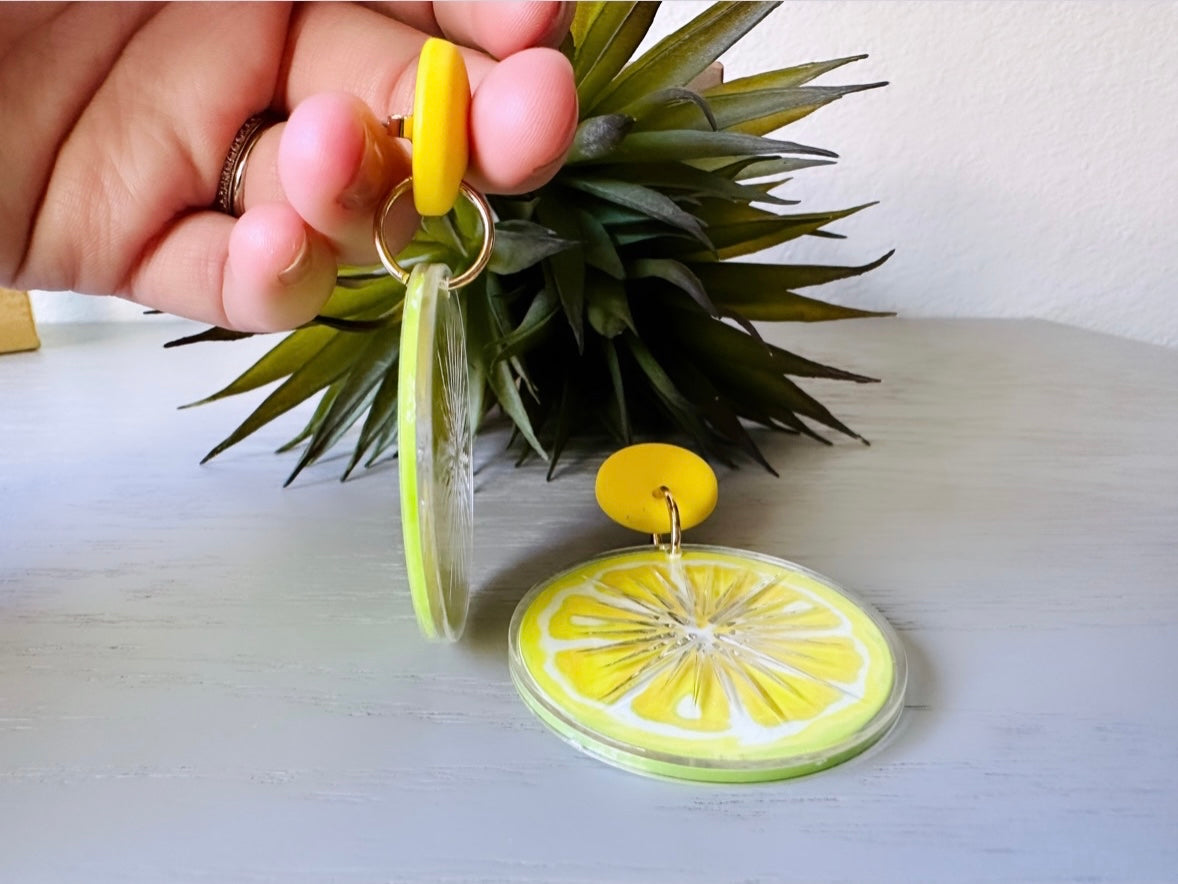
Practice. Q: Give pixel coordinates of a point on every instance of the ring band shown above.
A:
(484, 255)
(230, 189)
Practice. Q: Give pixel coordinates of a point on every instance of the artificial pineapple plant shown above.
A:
(610, 305)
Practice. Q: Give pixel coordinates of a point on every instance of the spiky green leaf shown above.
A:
(521, 244)
(630, 234)
(375, 361)
(317, 416)
(744, 233)
(649, 110)
(381, 422)
(482, 335)
(563, 424)
(764, 291)
(287, 357)
(385, 441)
(757, 112)
(331, 361)
(214, 333)
(534, 328)
(748, 168)
(644, 200)
(564, 272)
(677, 274)
(599, 137)
(339, 323)
(778, 393)
(699, 332)
(677, 405)
(600, 251)
(607, 306)
(781, 78)
(680, 178)
(514, 208)
(675, 145)
(679, 57)
(502, 320)
(610, 32)
(618, 386)
(299, 347)
(584, 14)
(706, 398)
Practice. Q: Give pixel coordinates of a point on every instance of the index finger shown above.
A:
(524, 108)
(498, 28)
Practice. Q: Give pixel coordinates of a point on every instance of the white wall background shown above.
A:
(1025, 155)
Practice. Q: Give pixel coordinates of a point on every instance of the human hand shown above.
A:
(118, 118)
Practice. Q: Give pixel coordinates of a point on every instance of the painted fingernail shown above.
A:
(299, 267)
(369, 184)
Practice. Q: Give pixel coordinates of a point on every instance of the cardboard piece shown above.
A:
(17, 330)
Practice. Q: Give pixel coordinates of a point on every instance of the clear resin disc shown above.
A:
(717, 664)
(435, 435)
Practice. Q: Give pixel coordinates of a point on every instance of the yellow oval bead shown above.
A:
(628, 486)
(439, 130)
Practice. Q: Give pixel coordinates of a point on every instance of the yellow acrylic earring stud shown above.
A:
(634, 486)
(439, 127)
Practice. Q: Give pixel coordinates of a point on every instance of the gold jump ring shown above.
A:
(390, 261)
(673, 514)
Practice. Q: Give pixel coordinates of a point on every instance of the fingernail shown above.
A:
(299, 267)
(559, 26)
(563, 145)
(369, 184)
(549, 169)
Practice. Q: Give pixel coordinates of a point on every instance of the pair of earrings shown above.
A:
(687, 661)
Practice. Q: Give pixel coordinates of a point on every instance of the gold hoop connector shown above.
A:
(398, 126)
(389, 260)
(673, 513)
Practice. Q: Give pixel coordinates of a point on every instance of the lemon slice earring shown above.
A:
(701, 662)
(434, 423)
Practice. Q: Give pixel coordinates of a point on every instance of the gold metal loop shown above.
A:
(676, 527)
(398, 125)
(390, 261)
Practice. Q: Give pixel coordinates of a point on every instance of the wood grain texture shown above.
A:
(207, 678)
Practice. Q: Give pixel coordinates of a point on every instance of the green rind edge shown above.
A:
(408, 396)
(740, 772)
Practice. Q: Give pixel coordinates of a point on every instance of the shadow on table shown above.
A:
(493, 603)
(921, 703)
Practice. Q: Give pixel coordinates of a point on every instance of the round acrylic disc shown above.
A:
(629, 481)
(717, 665)
(435, 440)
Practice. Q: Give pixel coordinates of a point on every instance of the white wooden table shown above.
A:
(207, 678)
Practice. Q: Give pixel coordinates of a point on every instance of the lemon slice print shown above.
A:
(711, 664)
(435, 453)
